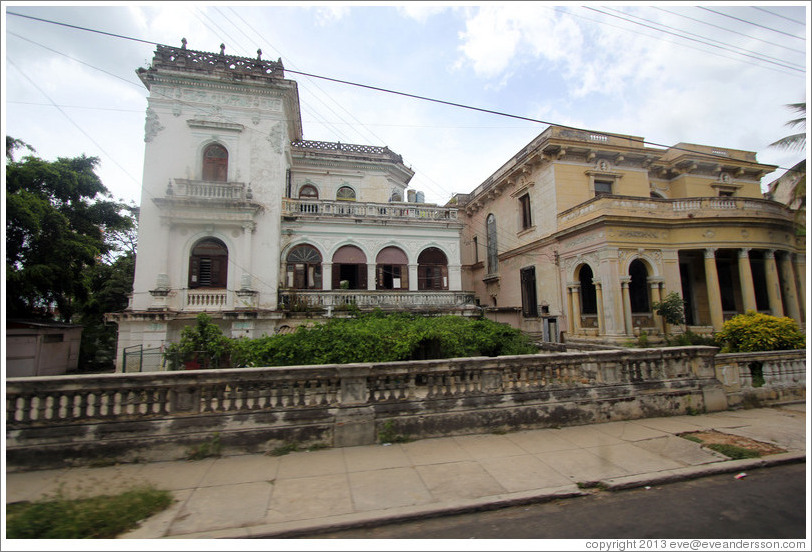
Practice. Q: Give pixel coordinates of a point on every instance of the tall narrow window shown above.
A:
(476, 250)
(304, 268)
(215, 163)
(208, 264)
(529, 303)
(589, 295)
(524, 204)
(493, 259)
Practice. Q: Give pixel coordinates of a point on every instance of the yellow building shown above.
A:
(581, 232)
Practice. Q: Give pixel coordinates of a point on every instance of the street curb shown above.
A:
(302, 528)
(694, 472)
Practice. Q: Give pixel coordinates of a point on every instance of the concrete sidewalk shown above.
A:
(304, 492)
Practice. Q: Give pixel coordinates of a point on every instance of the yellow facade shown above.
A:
(581, 232)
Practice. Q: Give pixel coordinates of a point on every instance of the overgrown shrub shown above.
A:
(690, 338)
(379, 337)
(202, 344)
(754, 331)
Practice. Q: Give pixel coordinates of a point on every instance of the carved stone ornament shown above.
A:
(275, 138)
(152, 126)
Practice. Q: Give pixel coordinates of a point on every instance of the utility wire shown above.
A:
(443, 102)
(700, 41)
(730, 30)
(751, 23)
(762, 57)
(779, 15)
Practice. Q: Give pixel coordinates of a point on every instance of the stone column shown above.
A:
(412, 277)
(371, 277)
(657, 297)
(570, 316)
(746, 280)
(788, 288)
(245, 261)
(773, 285)
(627, 305)
(800, 273)
(326, 276)
(714, 293)
(599, 299)
(576, 308)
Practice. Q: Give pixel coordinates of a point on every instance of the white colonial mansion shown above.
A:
(243, 219)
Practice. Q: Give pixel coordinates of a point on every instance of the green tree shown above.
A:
(58, 216)
(796, 176)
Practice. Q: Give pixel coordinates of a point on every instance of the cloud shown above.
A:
(421, 12)
(328, 15)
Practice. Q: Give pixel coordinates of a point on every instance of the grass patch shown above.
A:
(692, 438)
(734, 452)
(101, 517)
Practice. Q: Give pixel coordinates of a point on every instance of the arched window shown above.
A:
(349, 268)
(589, 298)
(638, 287)
(391, 269)
(304, 268)
(308, 192)
(208, 264)
(490, 232)
(215, 163)
(345, 193)
(432, 269)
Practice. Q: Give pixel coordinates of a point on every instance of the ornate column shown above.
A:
(714, 293)
(773, 285)
(326, 276)
(599, 299)
(627, 305)
(247, 231)
(371, 280)
(800, 273)
(788, 288)
(576, 308)
(412, 277)
(657, 297)
(746, 280)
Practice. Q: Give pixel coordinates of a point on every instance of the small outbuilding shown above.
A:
(35, 348)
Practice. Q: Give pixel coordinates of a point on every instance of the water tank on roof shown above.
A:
(410, 194)
(420, 197)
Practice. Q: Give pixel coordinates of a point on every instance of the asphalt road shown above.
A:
(767, 503)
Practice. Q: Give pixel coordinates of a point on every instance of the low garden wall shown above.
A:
(70, 420)
(751, 379)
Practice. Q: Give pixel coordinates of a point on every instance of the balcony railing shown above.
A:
(674, 209)
(310, 208)
(202, 189)
(301, 299)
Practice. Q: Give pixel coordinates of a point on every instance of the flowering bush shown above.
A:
(754, 331)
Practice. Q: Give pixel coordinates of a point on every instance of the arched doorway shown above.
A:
(208, 264)
(432, 270)
(589, 297)
(349, 268)
(391, 269)
(638, 287)
(304, 268)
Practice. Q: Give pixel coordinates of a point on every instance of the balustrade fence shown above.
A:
(51, 421)
(144, 395)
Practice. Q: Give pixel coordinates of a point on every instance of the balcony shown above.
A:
(301, 299)
(205, 190)
(672, 209)
(312, 209)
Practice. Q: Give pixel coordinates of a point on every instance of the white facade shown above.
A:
(230, 189)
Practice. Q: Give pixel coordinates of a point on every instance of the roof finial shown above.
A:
(222, 49)
(183, 43)
(259, 54)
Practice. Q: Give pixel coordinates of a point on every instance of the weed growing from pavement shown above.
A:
(734, 452)
(100, 517)
(212, 447)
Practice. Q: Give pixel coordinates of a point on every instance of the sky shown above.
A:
(714, 74)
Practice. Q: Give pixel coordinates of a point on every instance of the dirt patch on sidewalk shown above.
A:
(726, 443)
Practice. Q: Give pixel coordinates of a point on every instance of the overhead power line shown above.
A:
(779, 15)
(433, 100)
(751, 23)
